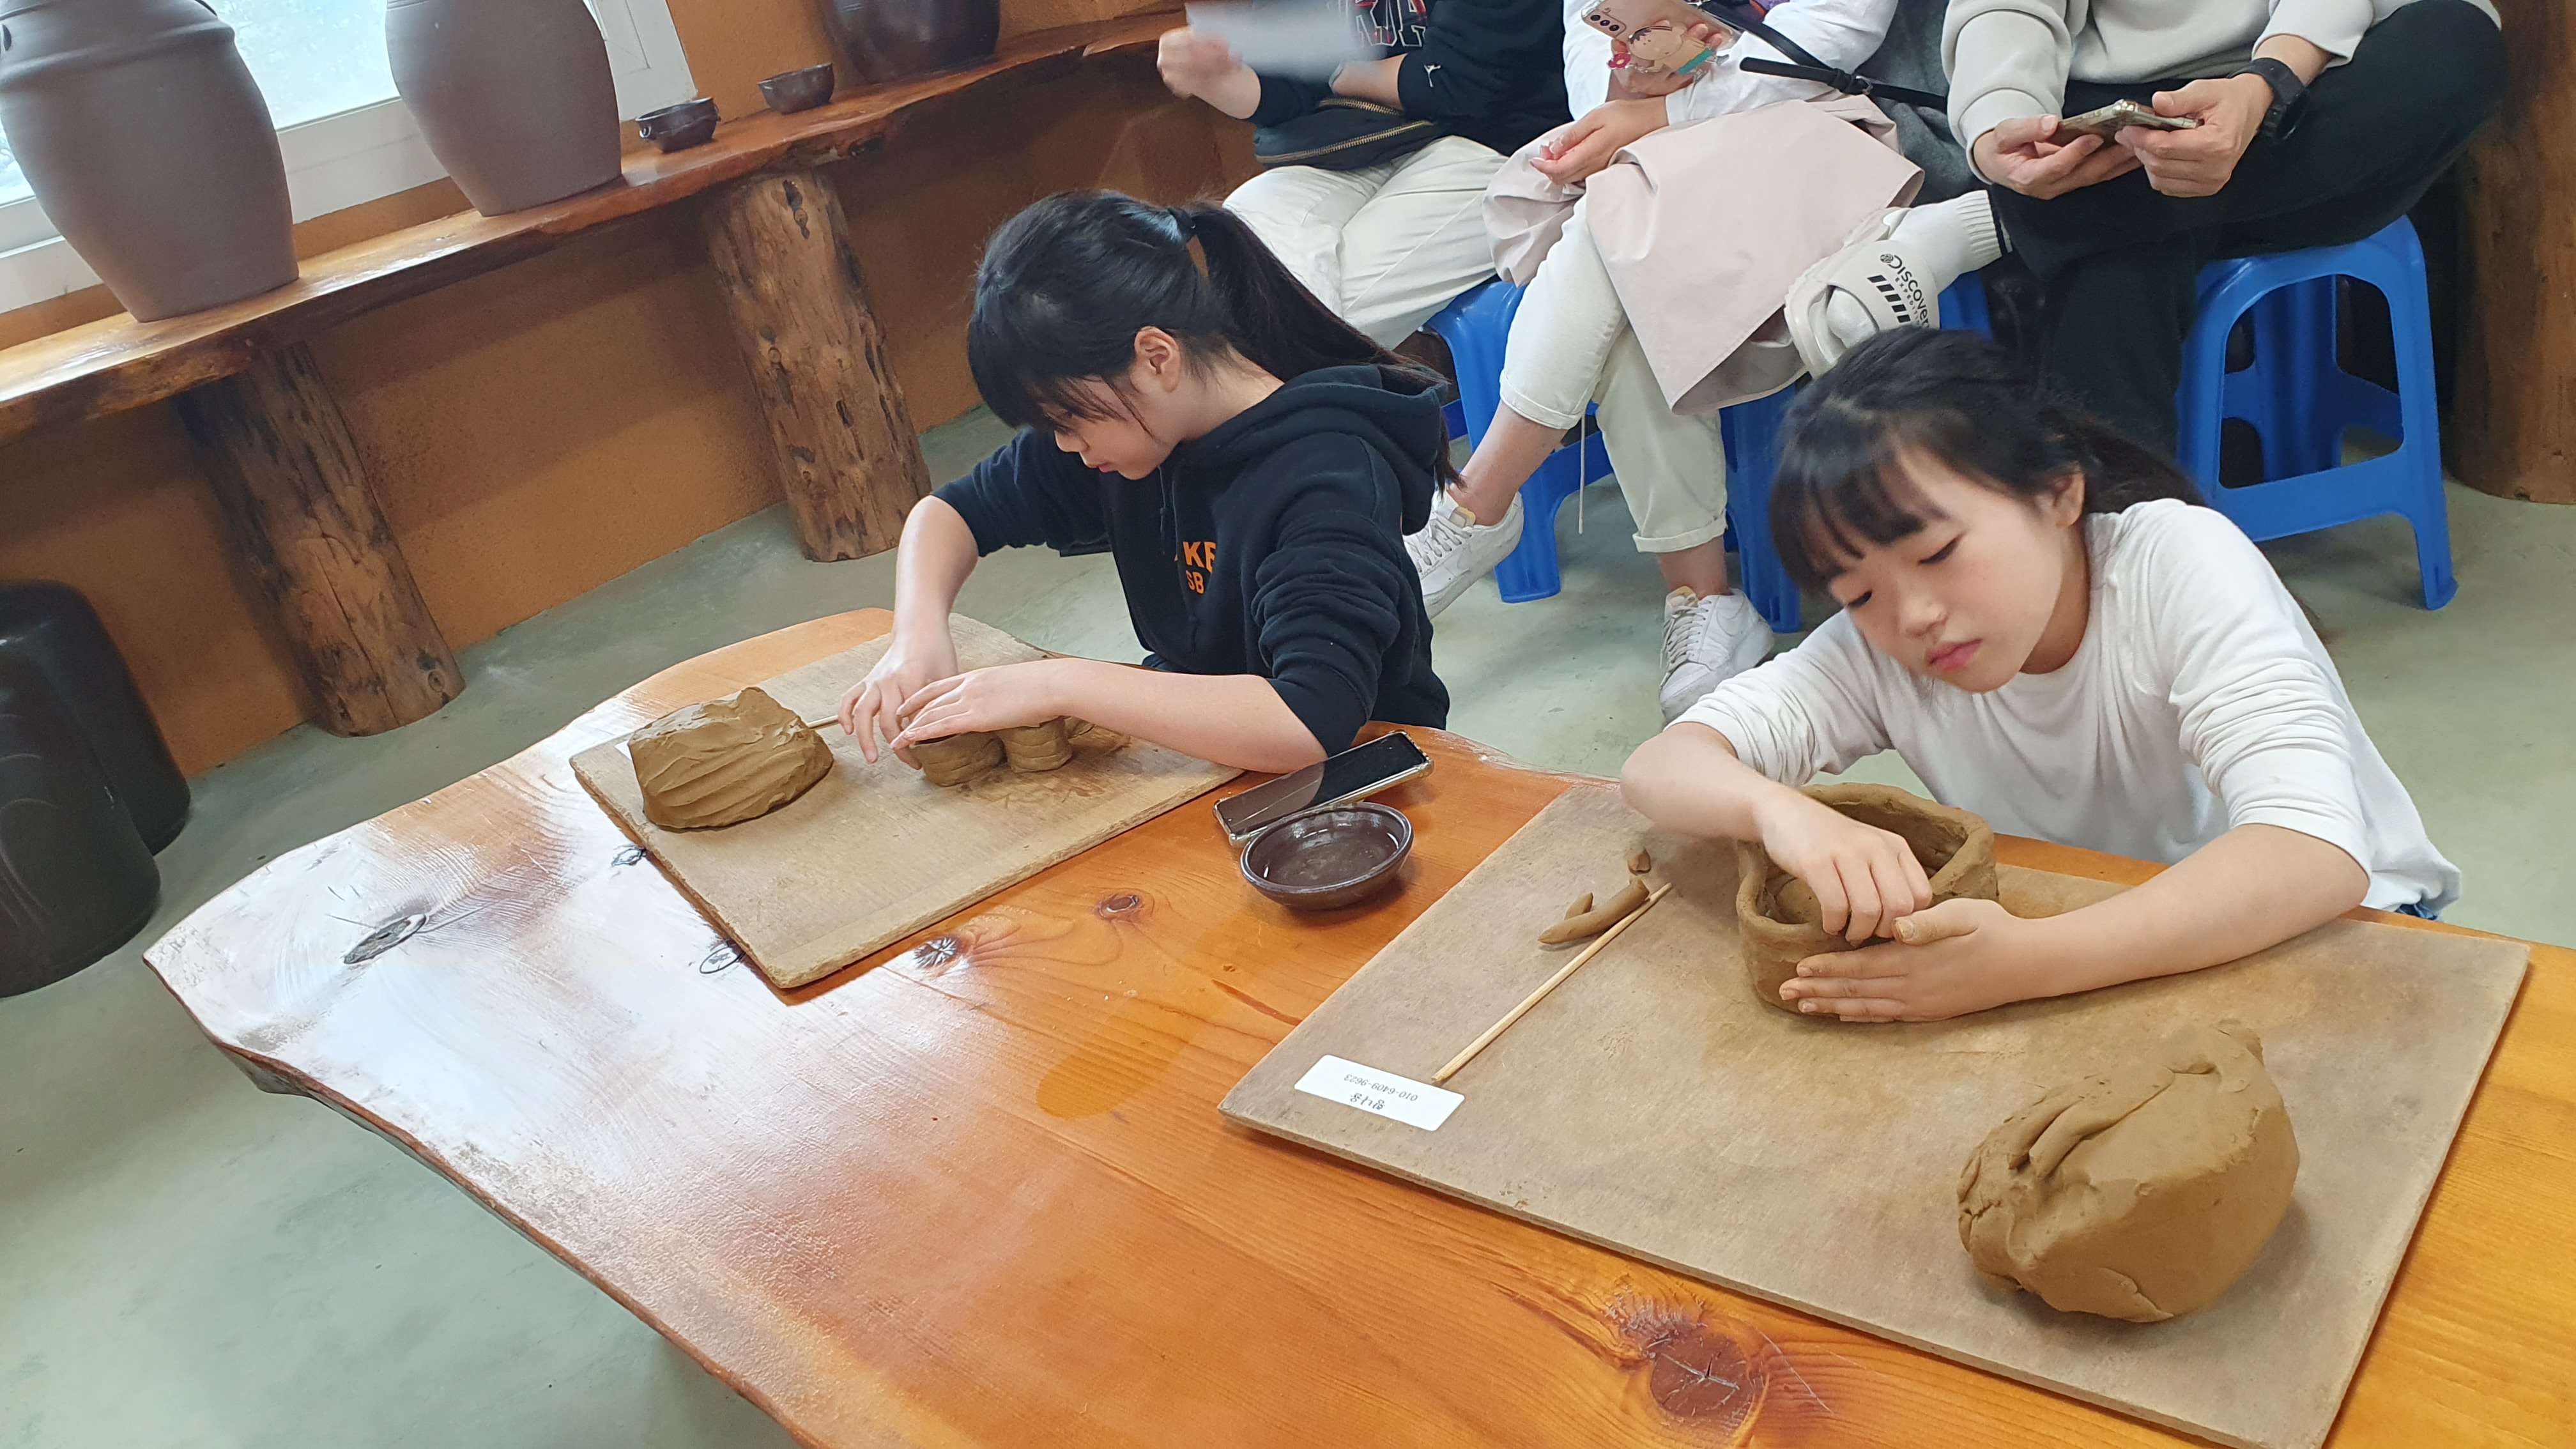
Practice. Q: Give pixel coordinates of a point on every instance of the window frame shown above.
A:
(362, 155)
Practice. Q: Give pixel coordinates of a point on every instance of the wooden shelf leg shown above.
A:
(306, 525)
(848, 458)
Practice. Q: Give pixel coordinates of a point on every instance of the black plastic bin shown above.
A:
(51, 627)
(76, 879)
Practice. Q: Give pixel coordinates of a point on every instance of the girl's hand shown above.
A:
(875, 705)
(1587, 146)
(1958, 957)
(2025, 155)
(2201, 161)
(1193, 64)
(1865, 878)
(1007, 696)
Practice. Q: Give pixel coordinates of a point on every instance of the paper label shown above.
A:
(1415, 1104)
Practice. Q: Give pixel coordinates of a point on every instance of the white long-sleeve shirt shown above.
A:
(2200, 700)
(1841, 33)
(2012, 58)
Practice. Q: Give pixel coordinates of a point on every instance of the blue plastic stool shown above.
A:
(1479, 324)
(2300, 400)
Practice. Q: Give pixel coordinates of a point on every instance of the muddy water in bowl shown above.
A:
(1325, 859)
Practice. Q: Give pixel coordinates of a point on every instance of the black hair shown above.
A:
(1066, 285)
(1952, 397)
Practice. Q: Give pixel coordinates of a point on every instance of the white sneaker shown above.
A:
(1707, 641)
(1453, 550)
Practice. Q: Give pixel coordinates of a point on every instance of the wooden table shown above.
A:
(976, 1191)
(290, 479)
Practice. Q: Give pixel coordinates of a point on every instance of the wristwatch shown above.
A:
(2289, 95)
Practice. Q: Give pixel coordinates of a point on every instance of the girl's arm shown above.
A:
(937, 553)
(2253, 887)
(1231, 719)
(1688, 779)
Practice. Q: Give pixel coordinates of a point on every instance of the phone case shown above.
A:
(1656, 33)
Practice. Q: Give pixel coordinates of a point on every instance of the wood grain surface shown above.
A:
(308, 530)
(978, 1192)
(117, 363)
(848, 456)
(1654, 1106)
(874, 852)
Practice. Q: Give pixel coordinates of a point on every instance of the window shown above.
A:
(348, 139)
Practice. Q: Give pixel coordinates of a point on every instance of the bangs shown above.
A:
(1004, 342)
(1830, 504)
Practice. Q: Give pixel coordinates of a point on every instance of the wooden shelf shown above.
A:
(117, 363)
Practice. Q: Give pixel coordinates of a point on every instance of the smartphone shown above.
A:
(1351, 775)
(2111, 119)
(1656, 33)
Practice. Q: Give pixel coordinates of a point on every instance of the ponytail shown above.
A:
(1949, 397)
(1066, 285)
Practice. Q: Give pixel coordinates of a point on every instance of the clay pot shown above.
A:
(148, 144)
(515, 97)
(1956, 849)
(886, 40)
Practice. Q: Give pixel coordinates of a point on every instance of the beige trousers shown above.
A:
(1384, 247)
(1571, 344)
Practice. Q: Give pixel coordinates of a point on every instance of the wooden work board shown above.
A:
(875, 852)
(1652, 1106)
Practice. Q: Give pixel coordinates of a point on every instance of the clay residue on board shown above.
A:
(2142, 1193)
(725, 761)
(1585, 924)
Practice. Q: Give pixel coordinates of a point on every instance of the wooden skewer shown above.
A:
(1553, 982)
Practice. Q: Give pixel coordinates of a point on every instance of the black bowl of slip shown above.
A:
(1330, 857)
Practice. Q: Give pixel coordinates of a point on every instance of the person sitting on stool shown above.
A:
(2321, 121)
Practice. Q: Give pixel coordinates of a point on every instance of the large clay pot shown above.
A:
(150, 147)
(886, 40)
(515, 97)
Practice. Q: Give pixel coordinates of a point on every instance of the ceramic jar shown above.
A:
(886, 40)
(149, 147)
(515, 97)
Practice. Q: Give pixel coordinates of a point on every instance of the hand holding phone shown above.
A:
(2118, 116)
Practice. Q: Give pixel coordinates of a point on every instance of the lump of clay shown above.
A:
(1584, 920)
(2140, 1194)
(956, 759)
(726, 761)
(1037, 747)
(1777, 914)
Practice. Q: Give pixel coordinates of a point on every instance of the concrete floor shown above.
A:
(188, 1262)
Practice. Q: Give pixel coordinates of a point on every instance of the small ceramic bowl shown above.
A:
(677, 128)
(798, 90)
(1329, 857)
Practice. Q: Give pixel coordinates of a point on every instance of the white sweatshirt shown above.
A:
(1841, 33)
(2012, 58)
(2200, 700)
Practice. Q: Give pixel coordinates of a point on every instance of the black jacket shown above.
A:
(1272, 546)
(1492, 71)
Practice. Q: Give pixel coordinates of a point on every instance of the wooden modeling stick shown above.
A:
(1553, 982)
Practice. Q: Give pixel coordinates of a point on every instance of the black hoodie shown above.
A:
(1272, 546)
(1492, 71)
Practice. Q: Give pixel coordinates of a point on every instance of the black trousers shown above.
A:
(2120, 261)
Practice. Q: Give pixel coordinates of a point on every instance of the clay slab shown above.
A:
(1650, 1105)
(874, 853)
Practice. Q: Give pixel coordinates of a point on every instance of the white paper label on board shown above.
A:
(1415, 1104)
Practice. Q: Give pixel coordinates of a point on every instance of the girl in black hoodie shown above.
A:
(1250, 461)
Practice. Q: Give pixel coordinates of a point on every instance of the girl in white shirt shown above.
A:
(2040, 620)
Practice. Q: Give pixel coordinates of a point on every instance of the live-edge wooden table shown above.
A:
(977, 1192)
